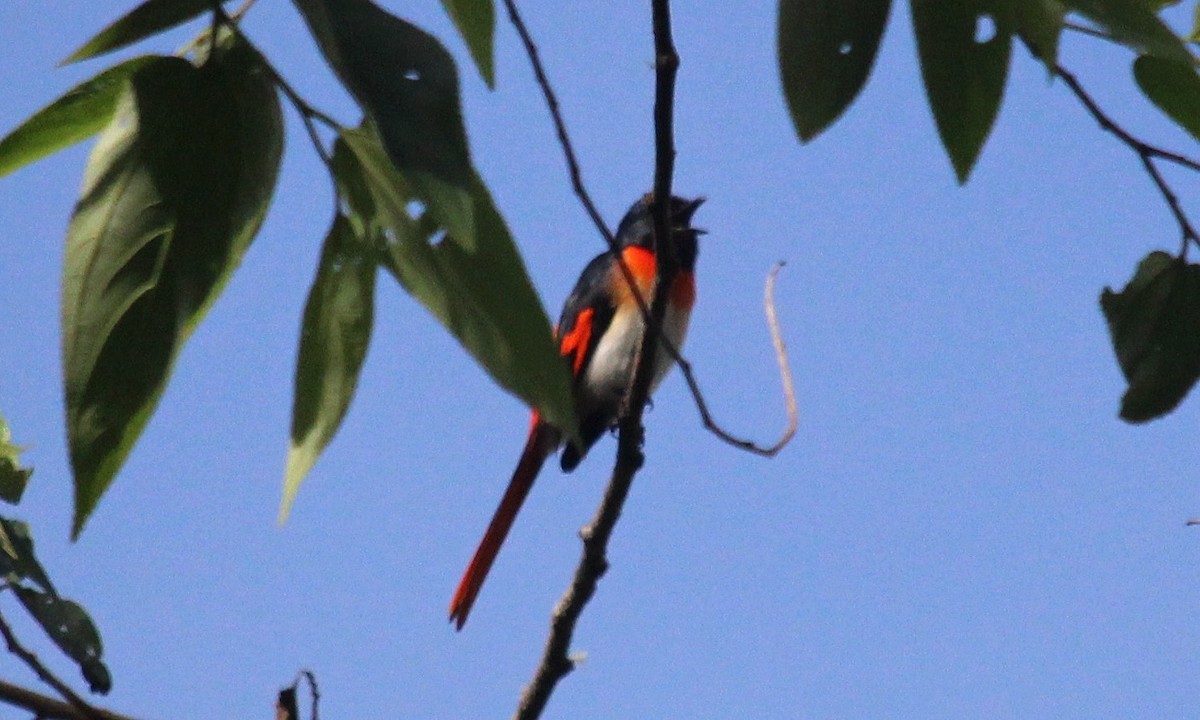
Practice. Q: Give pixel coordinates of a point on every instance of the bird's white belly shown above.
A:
(612, 363)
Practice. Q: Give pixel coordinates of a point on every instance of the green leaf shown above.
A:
(826, 50)
(149, 18)
(1155, 328)
(1040, 23)
(13, 477)
(403, 79)
(476, 22)
(1134, 24)
(76, 116)
(1173, 88)
(478, 290)
(70, 627)
(964, 53)
(174, 192)
(333, 345)
(17, 559)
(1194, 36)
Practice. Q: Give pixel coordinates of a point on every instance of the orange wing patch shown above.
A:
(575, 343)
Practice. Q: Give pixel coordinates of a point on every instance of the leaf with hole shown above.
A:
(476, 22)
(149, 18)
(826, 50)
(72, 630)
(964, 55)
(403, 79)
(1154, 324)
(478, 290)
(173, 193)
(333, 344)
(1173, 87)
(79, 114)
(1134, 24)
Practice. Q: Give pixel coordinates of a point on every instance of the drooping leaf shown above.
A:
(17, 560)
(1173, 87)
(1134, 23)
(149, 18)
(333, 344)
(964, 53)
(476, 22)
(70, 627)
(13, 477)
(403, 79)
(826, 50)
(478, 290)
(174, 192)
(1155, 328)
(82, 112)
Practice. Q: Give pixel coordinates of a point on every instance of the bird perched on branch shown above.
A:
(598, 335)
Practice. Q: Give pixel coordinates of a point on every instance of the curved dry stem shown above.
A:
(785, 375)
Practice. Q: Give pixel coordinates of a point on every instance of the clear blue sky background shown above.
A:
(962, 527)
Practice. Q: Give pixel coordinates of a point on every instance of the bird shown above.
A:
(598, 334)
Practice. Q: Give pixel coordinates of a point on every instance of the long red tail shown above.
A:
(542, 441)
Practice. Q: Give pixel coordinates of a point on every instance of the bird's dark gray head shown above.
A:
(637, 227)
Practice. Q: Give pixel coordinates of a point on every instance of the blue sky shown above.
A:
(962, 527)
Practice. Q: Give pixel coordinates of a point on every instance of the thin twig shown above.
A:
(311, 677)
(1088, 30)
(785, 374)
(309, 115)
(16, 648)
(1146, 152)
(48, 708)
(560, 127)
(564, 141)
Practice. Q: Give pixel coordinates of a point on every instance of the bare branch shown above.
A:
(48, 708)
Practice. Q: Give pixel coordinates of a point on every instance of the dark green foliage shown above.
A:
(1155, 327)
(149, 18)
(964, 51)
(65, 621)
(333, 345)
(826, 50)
(154, 237)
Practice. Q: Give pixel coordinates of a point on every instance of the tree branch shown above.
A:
(555, 662)
(1146, 153)
(48, 708)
